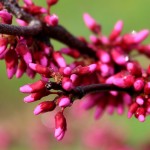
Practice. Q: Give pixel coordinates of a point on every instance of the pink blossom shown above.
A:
(51, 20)
(44, 107)
(6, 16)
(60, 126)
(91, 23)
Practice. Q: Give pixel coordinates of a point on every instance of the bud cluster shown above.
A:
(18, 51)
(112, 65)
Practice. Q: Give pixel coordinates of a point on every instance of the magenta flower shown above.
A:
(51, 2)
(5, 16)
(44, 107)
(60, 126)
(91, 23)
(51, 20)
(101, 72)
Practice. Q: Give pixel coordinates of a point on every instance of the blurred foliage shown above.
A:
(14, 114)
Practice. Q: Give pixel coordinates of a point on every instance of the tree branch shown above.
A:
(31, 30)
(37, 28)
(61, 34)
(80, 91)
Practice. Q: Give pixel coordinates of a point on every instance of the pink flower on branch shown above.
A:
(91, 23)
(5, 16)
(101, 72)
(60, 126)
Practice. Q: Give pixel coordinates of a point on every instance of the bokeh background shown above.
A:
(21, 130)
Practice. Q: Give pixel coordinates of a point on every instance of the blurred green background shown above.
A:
(17, 117)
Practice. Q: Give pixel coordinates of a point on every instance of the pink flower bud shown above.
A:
(145, 49)
(74, 78)
(148, 106)
(140, 100)
(140, 36)
(119, 56)
(46, 48)
(11, 60)
(3, 44)
(135, 37)
(127, 99)
(67, 84)
(105, 69)
(95, 40)
(134, 68)
(28, 2)
(100, 107)
(40, 58)
(2, 55)
(34, 87)
(51, 20)
(41, 69)
(79, 70)
(148, 70)
(104, 40)
(128, 39)
(91, 23)
(138, 84)
(120, 108)
(147, 88)
(71, 52)
(60, 126)
(6, 16)
(132, 109)
(65, 71)
(24, 51)
(103, 55)
(36, 96)
(51, 2)
(30, 73)
(116, 31)
(36, 10)
(140, 114)
(21, 22)
(64, 101)
(141, 118)
(123, 79)
(90, 100)
(59, 59)
(111, 104)
(53, 66)
(44, 107)
(21, 68)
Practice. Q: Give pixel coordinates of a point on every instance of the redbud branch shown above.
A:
(81, 91)
(61, 34)
(36, 27)
(20, 31)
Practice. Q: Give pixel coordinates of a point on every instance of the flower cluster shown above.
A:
(19, 51)
(124, 82)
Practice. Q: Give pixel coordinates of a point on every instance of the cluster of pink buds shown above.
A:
(102, 72)
(18, 51)
(37, 91)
